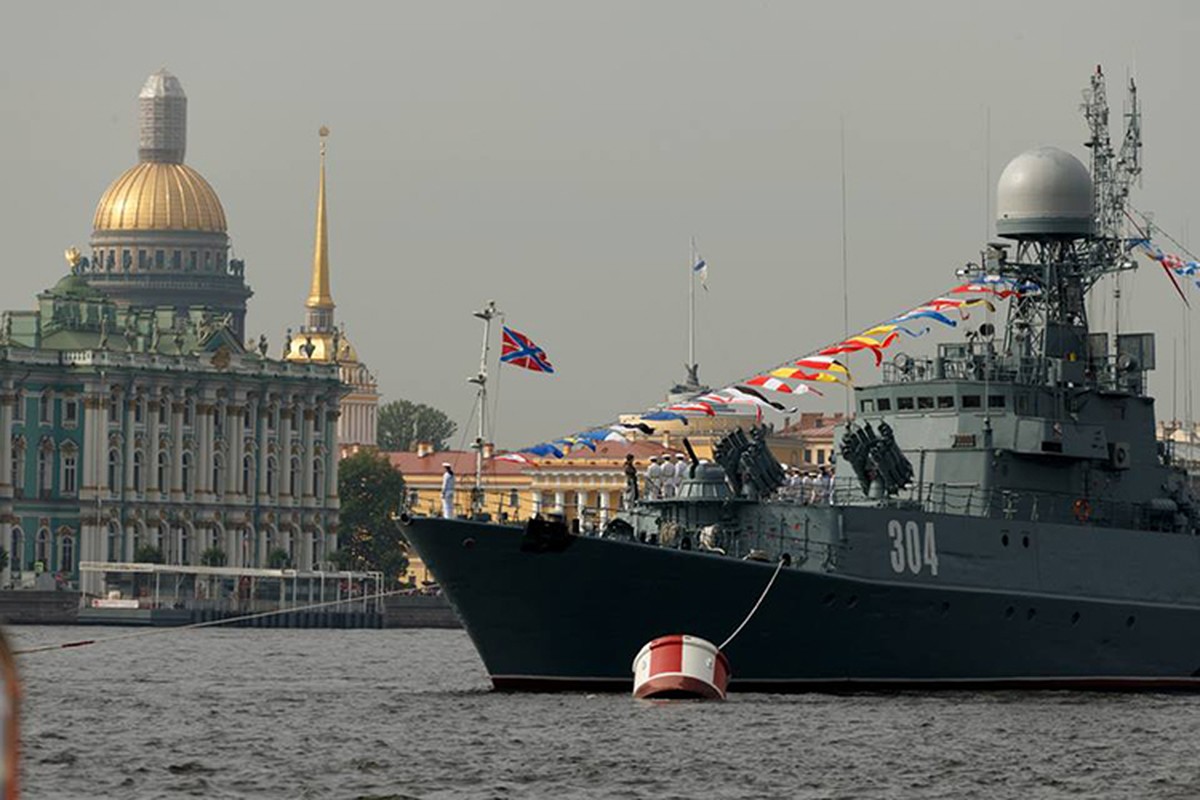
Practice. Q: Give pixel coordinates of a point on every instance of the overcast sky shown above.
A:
(557, 156)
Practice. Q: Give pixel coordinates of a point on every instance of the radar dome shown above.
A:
(1045, 192)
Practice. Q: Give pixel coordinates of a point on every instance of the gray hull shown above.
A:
(994, 615)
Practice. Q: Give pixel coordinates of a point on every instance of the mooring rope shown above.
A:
(207, 624)
(761, 597)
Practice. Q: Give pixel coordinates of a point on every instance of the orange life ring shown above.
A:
(1082, 509)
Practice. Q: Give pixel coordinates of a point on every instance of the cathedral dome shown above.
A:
(160, 196)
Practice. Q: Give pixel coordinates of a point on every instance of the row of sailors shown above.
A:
(664, 475)
(807, 487)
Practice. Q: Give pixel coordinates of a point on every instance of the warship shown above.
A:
(1003, 514)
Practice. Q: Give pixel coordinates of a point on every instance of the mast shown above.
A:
(691, 362)
(487, 314)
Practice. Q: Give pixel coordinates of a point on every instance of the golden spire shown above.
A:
(319, 296)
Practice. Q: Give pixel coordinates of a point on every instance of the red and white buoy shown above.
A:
(680, 666)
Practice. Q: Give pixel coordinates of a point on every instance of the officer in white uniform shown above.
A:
(654, 479)
(447, 491)
(681, 470)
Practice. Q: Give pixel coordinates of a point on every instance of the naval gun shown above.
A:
(748, 463)
(875, 457)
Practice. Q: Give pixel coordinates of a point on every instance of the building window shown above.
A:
(70, 412)
(995, 401)
(45, 409)
(318, 475)
(185, 546)
(44, 479)
(247, 474)
(18, 467)
(808, 456)
(187, 414)
(820, 456)
(295, 478)
(271, 476)
(317, 416)
(17, 551)
(67, 562)
(138, 409)
(19, 410)
(138, 485)
(218, 472)
(41, 548)
(114, 543)
(192, 261)
(971, 401)
(69, 461)
(185, 472)
(160, 259)
(885, 404)
(218, 419)
(270, 419)
(176, 260)
(114, 470)
(141, 259)
(114, 409)
(164, 460)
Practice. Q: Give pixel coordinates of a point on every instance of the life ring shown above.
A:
(1082, 509)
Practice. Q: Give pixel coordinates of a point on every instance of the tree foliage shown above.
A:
(370, 490)
(147, 554)
(403, 423)
(213, 557)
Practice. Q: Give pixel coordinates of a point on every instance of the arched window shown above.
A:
(318, 478)
(185, 546)
(113, 551)
(44, 476)
(185, 473)
(16, 552)
(138, 485)
(114, 470)
(41, 548)
(248, 475)
(69, 470)
(18, 466)
(271, 469)
(164, 466)
(218, 475)
(296, 478)
(67, 562)
(45, 417)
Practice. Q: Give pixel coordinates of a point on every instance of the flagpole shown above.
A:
(486, 314)
(692, 310)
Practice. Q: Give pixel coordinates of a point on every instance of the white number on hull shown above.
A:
(910, 550)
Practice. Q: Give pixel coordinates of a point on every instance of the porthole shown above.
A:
(1025, 541)
(852, 602)
(1030, 614)
(1129, 621)
(1075, 618)
(945, 608)
(1008, 612)
(829, 598)
(1004, 540)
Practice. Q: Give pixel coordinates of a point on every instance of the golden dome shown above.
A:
(157, 196)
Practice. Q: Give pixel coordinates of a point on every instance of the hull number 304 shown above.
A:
(912, 548)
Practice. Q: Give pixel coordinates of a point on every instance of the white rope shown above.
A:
(761, 597)
(207, 624)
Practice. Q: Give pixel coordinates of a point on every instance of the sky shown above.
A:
(558, 157)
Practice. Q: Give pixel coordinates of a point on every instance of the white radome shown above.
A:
(1044, 192)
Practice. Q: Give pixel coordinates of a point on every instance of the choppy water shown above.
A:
(408, 714)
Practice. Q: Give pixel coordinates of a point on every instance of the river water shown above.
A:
(408, 714)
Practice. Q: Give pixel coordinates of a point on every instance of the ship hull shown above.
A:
(573, 617)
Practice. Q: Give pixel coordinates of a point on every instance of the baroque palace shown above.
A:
(140, 424)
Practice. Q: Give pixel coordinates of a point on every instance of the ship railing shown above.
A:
(973, 500)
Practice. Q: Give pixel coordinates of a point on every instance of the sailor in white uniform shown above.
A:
(654, 479)
(447, 491)
(681, 470)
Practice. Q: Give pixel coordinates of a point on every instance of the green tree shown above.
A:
(403, 423)
(370, 490)
(278, 558)
(147, 554)
(213, 557)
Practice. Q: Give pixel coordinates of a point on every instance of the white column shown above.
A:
(177, 450)
(130, 435)
(204, 434)
(331, 462)
(234, 436)
(605, 500)
(153, 409)
(306, 459)
(286, 413)
(261, 426)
